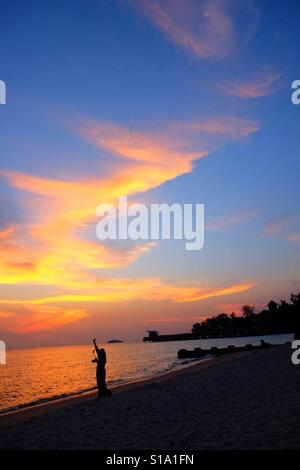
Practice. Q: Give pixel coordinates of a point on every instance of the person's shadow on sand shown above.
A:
(100, 360)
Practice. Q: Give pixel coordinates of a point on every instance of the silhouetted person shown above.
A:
(101, 372)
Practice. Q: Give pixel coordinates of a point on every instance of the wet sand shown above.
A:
(247, 400)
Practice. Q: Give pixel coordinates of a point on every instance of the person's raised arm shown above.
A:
(96, 347)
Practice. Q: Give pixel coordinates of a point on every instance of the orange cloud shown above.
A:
(51, 249)
(120, 290)
(209, 293)
(171, 151)
(205, 29)
(6, 233)
(32, 315)
(21, 319)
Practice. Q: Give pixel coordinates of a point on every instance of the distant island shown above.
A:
(277, 318)
(111, 341)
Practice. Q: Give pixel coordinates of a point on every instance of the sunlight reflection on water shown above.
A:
(40, 374)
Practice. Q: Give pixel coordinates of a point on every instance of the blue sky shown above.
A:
(85, 82)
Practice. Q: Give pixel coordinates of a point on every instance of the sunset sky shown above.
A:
(163, 101)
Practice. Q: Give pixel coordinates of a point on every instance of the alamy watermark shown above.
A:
(2, 92)
(296, 354)
(2, 353)
(139, 221)
(295, 96)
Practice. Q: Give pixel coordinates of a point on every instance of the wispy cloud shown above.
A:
(278, 224)
(173, 147)
(19, 318)
(232, 127)
(281, 226)
(293, 237)
(206, 28)
(228, 220)
(263, 84)
(120, 290)
(44, 313)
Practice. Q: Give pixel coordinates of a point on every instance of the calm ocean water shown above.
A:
(42, 374)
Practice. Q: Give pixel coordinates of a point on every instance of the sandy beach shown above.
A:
(245, 401)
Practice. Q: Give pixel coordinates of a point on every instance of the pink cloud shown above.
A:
(206, 29)
(293, 237)
(228, 220)
(281, 227)
(261, 85)
(230, 126)
(278, 224)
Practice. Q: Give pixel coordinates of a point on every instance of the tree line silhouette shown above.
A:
(277, 318)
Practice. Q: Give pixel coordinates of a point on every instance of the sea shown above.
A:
(33, 376)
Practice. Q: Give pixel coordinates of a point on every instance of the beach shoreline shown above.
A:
(27, 412)
(244, 401)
